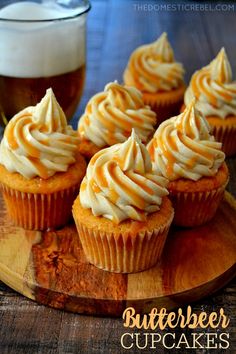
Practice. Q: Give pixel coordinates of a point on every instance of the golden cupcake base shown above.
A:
(165, 104)
(194, 209)
(128, 247)
(38, 204)
(39, 211)
(224, 131)
(196, 202)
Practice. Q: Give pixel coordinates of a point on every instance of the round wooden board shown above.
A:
(50, 267)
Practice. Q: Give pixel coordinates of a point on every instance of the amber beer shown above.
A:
(42, 45)
(17, 93)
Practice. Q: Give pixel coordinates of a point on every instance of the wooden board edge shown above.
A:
(184, 298)
(24, 288)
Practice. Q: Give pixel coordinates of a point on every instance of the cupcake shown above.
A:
(40, 166)
(110, 116)
(122, 212)
(215, 94)
(184, 151)
(153, 70)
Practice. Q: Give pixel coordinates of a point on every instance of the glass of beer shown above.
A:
(42, 45)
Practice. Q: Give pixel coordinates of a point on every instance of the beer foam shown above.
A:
(41, 49)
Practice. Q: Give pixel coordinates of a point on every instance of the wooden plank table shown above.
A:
(115, 28)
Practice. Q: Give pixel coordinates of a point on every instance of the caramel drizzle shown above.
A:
(212, 99)
(137, 68)
(132, 193)
(200, 150)
(101, 177)
(197, 80)
(40, 167)
(94, 186)
(171, 160)
(205, 74)
(222, 73)
(87, 121)
(10, 129)
(32, 151)
(226, 96)
(194, 85)
(151, 149)
(83, 185)
(11, 138)
(9, 133)
(167, 151)
(112, 121)
(113, 196)
(142, 185)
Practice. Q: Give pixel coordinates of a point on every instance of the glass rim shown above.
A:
(87, 9)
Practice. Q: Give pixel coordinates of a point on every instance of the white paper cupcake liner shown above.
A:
(39, 211)
(126, 253)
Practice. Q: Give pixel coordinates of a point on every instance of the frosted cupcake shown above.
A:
(153, 70)
(215, 94)
(122, 212)
(110, 116)
(184, 151)
(40, 166)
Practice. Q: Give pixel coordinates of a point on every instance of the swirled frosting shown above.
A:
(38, 142)
(183, 147)
(110, 116)
(213, 88)
(152, 67)
(120, 183)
